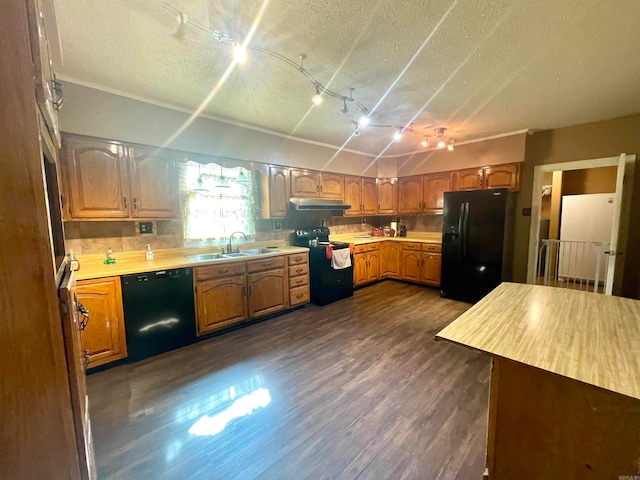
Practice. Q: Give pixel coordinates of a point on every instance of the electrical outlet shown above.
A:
(145, 227)
(277, 225)
(364, 221)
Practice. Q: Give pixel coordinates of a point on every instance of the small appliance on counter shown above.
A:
(403, 231)
(327, 284)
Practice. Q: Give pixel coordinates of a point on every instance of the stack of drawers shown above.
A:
(298, 279)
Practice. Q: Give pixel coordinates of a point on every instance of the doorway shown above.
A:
(583, 254)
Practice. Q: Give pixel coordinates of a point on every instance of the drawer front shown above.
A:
(411, 246)
(429, 247)
(217, 271)
(298, 281)
(298, 258)
(367, 247)
(299, 295)
(265, 264)
(297, 270)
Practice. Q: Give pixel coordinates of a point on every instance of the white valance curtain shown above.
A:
(210, 211)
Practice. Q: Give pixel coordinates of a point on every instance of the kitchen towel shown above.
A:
(340, 259)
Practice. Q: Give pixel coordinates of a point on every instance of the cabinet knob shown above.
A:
(135, 203)
(124, 201)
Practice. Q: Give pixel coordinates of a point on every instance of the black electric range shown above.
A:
(326, 283)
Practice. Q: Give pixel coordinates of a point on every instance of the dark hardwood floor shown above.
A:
(355, 389)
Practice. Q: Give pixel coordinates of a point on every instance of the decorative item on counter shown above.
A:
(110, 258)
(377, 232)
(148, 254)
(388, 232)
(74, 263)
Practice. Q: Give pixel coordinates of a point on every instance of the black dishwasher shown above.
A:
(159, 314)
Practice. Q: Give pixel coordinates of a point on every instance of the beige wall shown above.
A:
(496, 151)
(606, 138)
(92, 112)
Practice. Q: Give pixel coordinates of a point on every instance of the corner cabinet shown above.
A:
(107, 180)
(410, 194)
(104, 337)
(387, 196)
(390, 253)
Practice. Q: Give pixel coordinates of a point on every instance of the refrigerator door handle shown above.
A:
(461, 230)
(465, 227)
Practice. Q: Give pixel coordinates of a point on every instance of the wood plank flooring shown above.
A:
(357, 389)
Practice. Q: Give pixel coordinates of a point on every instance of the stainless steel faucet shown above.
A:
(229, 247)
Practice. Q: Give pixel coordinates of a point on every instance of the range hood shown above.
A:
(318, 204)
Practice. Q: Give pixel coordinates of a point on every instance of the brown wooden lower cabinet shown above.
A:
(411, 261)
(104, 336)
(268, 292)
(220, 303)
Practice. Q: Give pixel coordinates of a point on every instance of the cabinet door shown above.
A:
(97, 179)
(411, 263)
(431, 268)
(468, 179)
(278, 192)
(220, 303)
(360, 271)
(433, 190)
(268, 292)
(353, 195)
(387, 197)
(390, 260)
(502, 176)
(373, 272)
(104, 336)
(305, 183)
(369, 196)
(332, 186)
(410, 194)
(154, 184)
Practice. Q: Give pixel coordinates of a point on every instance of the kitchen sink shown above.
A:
(237, 254)
(205, 257)
(259, 251)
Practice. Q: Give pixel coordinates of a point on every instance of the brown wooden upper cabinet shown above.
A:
(275, 192)
(387, 196)
(361, 193)
(433, 188)
(154, 189)
(496, 176)
(107, 180)
(423, 193)
(410, 194)
(312, 184)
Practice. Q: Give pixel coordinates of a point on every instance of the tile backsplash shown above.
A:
(96, 237)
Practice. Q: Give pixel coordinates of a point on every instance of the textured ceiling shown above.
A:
(478, 68)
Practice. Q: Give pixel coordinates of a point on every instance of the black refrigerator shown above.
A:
(477, 242)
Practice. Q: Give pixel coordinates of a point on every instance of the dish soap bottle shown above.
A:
(148, 255)
(110, 258)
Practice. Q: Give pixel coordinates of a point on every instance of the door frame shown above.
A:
(536, 204)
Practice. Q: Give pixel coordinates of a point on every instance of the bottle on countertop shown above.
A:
(110, 258)
(148, 254)
(74, 263)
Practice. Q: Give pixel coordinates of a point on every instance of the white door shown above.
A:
(617, 211)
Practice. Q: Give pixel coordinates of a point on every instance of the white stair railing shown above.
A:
(572, 264)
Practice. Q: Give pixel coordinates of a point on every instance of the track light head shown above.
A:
(239, 53)
(344, 110)
(451, 145)
(364, 118)
(398, 135)
(441, 143)
(425, 142)
(317, 98)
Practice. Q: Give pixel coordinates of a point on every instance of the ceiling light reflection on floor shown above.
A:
(241, 407)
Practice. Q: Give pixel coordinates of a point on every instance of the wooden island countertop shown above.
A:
(588, 337)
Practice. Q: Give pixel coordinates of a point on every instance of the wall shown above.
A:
(601, 139)
(92, 112)
(509, 149)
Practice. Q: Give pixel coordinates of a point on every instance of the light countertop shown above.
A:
(422, 237)
(92, 266)
(584, 336)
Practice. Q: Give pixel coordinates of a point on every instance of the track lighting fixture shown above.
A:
(240, 53)
(317, 98)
